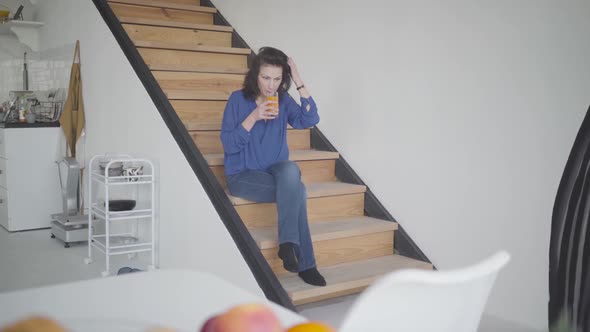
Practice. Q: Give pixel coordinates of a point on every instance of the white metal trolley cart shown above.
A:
(108, 172)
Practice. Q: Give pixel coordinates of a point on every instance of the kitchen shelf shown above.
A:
(99, 176)
(120, 244)
(100, 212)
(27, 32)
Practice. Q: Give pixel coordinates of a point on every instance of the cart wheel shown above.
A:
(67, 245)
(52, 236)
(105, 274)
(87, 260)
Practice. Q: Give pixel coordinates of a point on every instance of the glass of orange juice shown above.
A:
(273, 101)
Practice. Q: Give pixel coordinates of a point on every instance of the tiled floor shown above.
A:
(32, 259)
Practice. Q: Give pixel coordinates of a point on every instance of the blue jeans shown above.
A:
(281, 183)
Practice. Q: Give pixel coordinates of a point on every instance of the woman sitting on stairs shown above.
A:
(257, 165)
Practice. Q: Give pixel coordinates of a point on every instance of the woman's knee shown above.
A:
(303, 192)
(287, 170)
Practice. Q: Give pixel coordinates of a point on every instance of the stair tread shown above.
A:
(347, 276)
(216, 159)
(177, 94)
(317, 189)
(211, 125)
(267, 237)
(165, 4)
(187, 47)
(197, 69)
(174, 24)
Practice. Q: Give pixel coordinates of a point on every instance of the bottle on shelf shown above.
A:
(22, 109)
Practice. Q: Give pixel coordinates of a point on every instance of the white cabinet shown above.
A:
(29, 185)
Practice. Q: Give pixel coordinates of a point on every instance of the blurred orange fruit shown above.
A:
(311, 327)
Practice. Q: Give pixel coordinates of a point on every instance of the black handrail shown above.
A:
(263, 274)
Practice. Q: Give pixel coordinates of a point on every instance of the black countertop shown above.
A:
(29, 125)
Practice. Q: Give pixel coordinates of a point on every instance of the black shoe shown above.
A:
(313, 277)
(289, 252)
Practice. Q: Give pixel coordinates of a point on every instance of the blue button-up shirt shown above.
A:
(266, 143)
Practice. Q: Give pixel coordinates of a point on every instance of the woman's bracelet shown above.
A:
(300, 87)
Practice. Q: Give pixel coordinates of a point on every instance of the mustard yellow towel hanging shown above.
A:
(72, 119)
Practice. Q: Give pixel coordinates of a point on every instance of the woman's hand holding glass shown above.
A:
(264, 111)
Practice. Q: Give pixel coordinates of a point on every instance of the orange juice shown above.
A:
(273, 101)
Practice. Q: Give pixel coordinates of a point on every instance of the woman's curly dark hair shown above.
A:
(266, 56)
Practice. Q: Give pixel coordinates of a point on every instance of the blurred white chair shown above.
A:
(420, 300)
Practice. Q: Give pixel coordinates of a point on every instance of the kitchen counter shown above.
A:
(29, 125)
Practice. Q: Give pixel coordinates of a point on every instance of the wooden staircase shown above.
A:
(197, 68)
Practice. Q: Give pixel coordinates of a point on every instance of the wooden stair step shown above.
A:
(200, 38)
(192, 48)
(174, 24)
(200, 111)
(209, 124)
(162, 14)
(167, 4)
(209, 141)
(336, 242)
(203, 86)
(215, 159)
(160, 59)
(347, 278)
(197, 69)
(320, 208)
(319, 189)
(322, 170)
(322, 230)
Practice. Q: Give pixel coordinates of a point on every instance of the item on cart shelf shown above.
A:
(132, 172)
(116, 168)
(126, 269)
(121, 205)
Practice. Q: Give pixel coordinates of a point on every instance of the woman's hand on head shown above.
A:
(294, 71)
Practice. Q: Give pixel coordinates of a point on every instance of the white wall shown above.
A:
(120, 117)
(458, 115)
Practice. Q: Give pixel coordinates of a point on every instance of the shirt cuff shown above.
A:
(308, 102)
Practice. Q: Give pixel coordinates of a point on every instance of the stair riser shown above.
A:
(321, 208)
(200, 86)
(343, 250)
(181, 36)
(200, 111)
(311, 171)
(348, 291)
(153, 56)
(161, 13)
(209, 141)
(185, 2)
